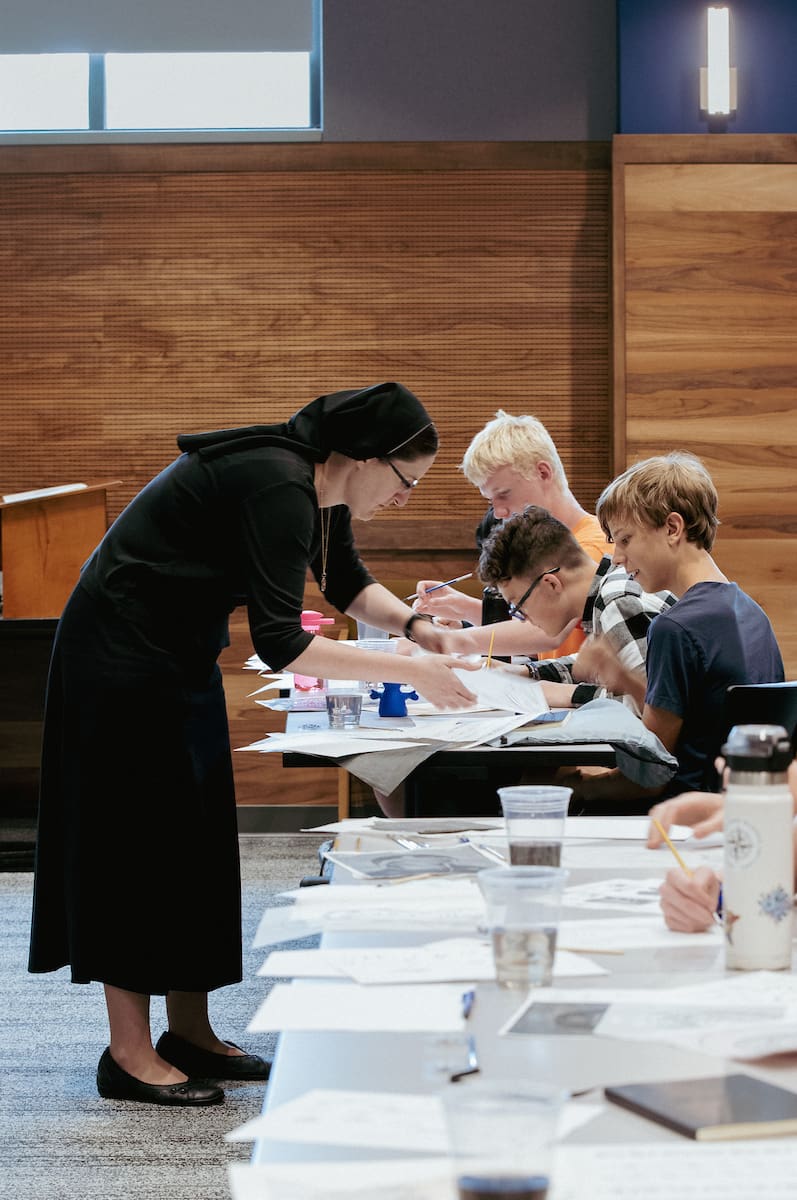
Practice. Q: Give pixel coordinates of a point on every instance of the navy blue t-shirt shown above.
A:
(714, 636)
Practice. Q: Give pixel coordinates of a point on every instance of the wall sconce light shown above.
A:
(718, 77)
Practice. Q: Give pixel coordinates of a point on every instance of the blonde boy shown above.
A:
(514, 463)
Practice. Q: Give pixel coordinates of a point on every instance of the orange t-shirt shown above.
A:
(592, 540)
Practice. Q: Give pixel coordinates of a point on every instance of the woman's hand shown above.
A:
(433, 677)
(700, 810)
(689, 903)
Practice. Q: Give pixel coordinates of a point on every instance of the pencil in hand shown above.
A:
(671, 847)
(490, 651)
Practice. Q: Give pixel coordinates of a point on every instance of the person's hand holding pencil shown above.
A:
(439, 599)
(688, 898)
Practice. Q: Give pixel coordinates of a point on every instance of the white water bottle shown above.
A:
(758, 876)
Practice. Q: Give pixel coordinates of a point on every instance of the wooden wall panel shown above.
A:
(149, 290)
(705, 346)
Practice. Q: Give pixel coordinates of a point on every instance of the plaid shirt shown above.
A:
(617, 609)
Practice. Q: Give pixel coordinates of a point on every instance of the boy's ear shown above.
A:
(554, 582)
(674, 524)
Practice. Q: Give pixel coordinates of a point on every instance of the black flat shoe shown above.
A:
(113, 1083)
(204, 1064)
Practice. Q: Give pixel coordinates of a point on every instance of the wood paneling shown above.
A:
(150, 290)
(705, 297)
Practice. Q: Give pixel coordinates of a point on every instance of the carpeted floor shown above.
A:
(58, 1139)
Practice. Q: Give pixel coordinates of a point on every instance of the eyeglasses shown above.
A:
(515, 609)
(409, 484)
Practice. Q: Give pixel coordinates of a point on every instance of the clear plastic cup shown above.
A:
(535, 824)
(523, 906)
(502, 1136)
(384, 645)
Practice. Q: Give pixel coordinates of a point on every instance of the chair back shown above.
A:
(763, 704)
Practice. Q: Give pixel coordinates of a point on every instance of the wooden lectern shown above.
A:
(46, 538)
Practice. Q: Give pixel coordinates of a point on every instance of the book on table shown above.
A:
(716, 1108)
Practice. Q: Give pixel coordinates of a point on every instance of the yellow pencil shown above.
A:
(490, 651)
(676, 855)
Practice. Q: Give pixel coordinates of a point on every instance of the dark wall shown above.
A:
(25, 647)
(663, 45)
(469, 70)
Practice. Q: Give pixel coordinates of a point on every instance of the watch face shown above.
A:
(742, 843)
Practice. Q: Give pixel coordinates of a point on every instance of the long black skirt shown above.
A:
(137, 874)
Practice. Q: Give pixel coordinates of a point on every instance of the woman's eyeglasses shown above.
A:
(515, 609)
(409, 484)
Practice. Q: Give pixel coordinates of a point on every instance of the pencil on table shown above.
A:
(490, 651)
(675, 853)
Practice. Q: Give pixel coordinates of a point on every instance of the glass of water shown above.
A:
(344, 709)
(523, 906)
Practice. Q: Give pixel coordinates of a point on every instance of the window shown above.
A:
(44, 91)
(144, 71)
(207, 91)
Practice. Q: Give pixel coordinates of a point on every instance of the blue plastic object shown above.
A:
(392, 700)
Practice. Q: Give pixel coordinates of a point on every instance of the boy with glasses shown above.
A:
(548, 579)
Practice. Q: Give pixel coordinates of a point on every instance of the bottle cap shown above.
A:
(758, 748)
(312, 620)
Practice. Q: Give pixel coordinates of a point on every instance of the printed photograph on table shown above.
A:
(409, 864)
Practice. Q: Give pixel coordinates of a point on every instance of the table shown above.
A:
(476, 772)
(370, 1061)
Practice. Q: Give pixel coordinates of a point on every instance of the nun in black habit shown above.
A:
(137, 880)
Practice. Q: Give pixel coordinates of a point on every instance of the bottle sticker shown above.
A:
(742, 843)
(776, 904)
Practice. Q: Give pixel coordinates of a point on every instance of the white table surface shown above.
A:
(381, 1061)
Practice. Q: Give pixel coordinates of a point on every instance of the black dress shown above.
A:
(137, 876)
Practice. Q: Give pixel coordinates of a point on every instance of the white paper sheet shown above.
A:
(422, 1008)
(745, 1043)
(628, 933)
(634, 856)
(627, 895)
(371, 1120)
(745, 1012)
(623, 828)
(677, 1170)
(384, 1120)
(327, 743)
(506, 690)
(435, 824)
(657, 1014)
(449, 904)
(444, 961)
(389, 1179)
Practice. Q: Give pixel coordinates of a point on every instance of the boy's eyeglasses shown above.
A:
(409, 484)
(515, 609)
